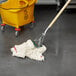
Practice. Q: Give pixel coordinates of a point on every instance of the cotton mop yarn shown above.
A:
(29, 50)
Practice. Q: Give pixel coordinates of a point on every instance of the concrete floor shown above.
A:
(60, 57)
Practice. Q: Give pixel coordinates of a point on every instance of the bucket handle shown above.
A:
(23, 3)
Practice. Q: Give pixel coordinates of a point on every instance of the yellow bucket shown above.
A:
(17, 13)
(0, 9)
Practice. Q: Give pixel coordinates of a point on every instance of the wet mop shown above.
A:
(29, 50)
(35, 49)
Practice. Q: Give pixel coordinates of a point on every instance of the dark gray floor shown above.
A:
(60, 58)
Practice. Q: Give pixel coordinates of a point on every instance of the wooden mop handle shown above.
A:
(60, 12)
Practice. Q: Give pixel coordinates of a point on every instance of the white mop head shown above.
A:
(29, 50)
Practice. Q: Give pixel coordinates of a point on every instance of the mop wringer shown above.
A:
(17, 13)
